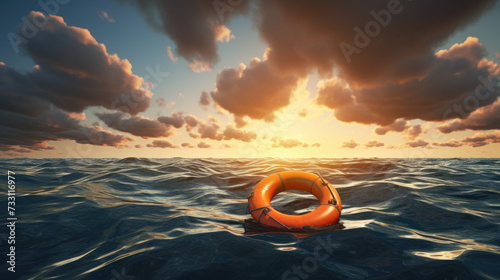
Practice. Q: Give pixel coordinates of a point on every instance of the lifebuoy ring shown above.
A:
(327, 213)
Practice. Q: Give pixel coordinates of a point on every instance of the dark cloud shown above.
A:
(401, 126)
(452, 80)
(162, 144)
(350, 144)
(475, 141)
(24, 141)
(388, 77)
(374, 144)
(46, 103)
(195, 26)
(141, 126)
(397, 126)
(308, 35)
(257, 91)
(482, 139)
(135, 125)
(483, 119)
(52, 121)
(334, 93)
(23, 133)
(176, 119)
(95, 135)
(18, 95)
(91, 78)
(431, 98)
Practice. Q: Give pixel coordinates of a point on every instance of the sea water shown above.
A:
(183, 218)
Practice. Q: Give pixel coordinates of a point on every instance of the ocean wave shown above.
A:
(184, 218)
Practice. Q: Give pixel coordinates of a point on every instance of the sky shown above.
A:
(238, 79)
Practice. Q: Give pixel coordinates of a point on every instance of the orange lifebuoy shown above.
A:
(327, 213)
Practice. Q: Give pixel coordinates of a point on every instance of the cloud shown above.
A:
(161, 102)
(257, 91)
(213, 131)
(374, 144)
(176, 120)
(484, 118)
(209, 131)
(475, 141)
(334, 93)
(240, 121)
(138, 146)
(23, 133)
(214, 120)
(233, 133)
(18, 95)
(46, 103)
(75, 82)
(95, 135)
(187, 145)
(222, 33)
(28, 122)
(198, 66)
(401, 126)
(386, 78)
(171, 55)
(286, 143)
(482, 139)
(194, 135)
(194, 26)
(135, 125)
(204, 99)
(191, 122)
(52, 121)
(453, 79)
(414, 131)
(397, 126)
(451, 143)
(104, 15)
(290, 143)
(302, 113)
(417, 143)
(300, 36)
(204, 145)
(162, 144)
(350, 144)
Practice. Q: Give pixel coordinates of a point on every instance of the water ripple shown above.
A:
(183, 219)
